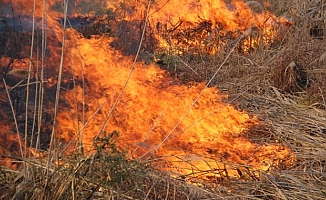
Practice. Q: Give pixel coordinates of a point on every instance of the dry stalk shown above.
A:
(15, 120)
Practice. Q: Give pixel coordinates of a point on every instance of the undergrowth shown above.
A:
(106, 173)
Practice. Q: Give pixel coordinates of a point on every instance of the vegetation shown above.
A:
(282, 83)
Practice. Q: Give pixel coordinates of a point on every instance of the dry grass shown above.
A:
(284, 85)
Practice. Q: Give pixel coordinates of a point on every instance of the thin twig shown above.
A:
(187, 65)
(82, 129)
(14, 115)
(28, 91)
(146, 136)
(56, 105)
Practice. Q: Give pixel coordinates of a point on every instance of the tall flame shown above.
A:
(155, 114)
(156, 110)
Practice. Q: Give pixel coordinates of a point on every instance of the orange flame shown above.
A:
(156, 114)
(155, 110)
(234, 17)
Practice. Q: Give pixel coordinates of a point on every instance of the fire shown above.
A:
(155, 114)
(205, 23)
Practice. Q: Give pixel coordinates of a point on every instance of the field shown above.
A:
(163, 100)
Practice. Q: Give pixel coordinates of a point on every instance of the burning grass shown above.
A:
(281, 83)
